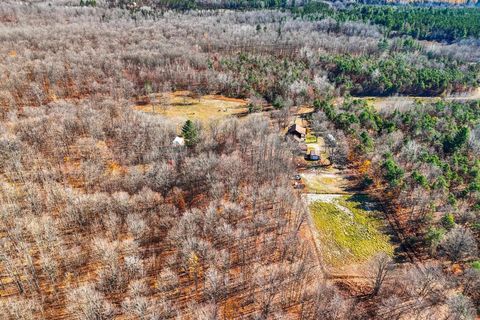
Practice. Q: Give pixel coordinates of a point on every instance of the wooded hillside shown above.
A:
(111, 208)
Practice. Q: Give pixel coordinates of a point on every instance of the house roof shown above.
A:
(298, 129)
(178, 141)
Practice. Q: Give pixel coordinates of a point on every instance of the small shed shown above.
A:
(312, 156)
(178, 141)
(297, 131)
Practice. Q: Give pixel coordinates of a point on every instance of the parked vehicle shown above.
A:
(311, 156)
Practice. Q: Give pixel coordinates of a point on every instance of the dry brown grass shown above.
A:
(183, 106)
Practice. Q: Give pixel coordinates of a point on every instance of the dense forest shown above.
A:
(429, 23)
(216, 52)
(108, 219)
(428, 156)
(425, 160)
(103, 217)
(445, 24)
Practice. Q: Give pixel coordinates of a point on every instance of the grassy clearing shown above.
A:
(318, 183)
(310, 138)
(325, 180)
(181, 107)
(349, 231)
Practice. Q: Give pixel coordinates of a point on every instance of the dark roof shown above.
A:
(298, 129)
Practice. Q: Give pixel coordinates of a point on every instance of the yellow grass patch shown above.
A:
(305, 110)
(352, 233)
(310, 138)
(324, 183)
(181, 106)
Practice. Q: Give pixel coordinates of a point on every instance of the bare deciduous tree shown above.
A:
(461, 308)
(86, 303)
(459, 243)
(381, 265)
(19, 309)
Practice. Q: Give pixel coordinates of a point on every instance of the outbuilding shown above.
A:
(312, 156)
(297, 131)
(178, 141)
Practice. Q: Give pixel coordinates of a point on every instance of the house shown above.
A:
(178, 141)
(297, 131)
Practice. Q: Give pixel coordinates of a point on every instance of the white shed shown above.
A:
(178, 141)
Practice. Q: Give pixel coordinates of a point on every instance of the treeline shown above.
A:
(430, 23)
(285, 82)
(425, 23)
(204, 4)
(395, 74)
(271, 78)
(268, 54)
(116, 53)
(440, 24)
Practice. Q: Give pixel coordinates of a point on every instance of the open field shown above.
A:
(349, 229)
(324, 181)
(381, 103)
(180, 106)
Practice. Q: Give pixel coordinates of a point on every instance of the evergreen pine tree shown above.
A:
(189, 132)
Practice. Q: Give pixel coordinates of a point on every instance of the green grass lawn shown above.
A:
(309, 138)
(350, 238)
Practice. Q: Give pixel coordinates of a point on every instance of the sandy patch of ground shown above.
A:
(325, 181)
(304, 110)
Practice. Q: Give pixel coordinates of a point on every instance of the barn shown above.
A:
(297, 131)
